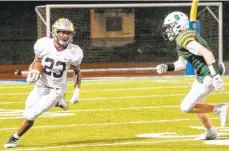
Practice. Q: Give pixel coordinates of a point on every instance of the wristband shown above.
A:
(171, 67)
(214, 69)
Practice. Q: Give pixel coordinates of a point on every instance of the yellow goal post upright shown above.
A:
(195, 26)
(45, 15)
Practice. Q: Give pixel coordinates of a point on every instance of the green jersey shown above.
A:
(198, 62)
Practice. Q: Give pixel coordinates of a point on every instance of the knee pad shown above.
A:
(30, 115)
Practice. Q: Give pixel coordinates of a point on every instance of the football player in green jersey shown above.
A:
(192, 48)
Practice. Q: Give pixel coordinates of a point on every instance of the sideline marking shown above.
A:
(217, 142)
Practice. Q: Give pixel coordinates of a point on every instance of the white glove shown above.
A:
(33, 76)
(161, 68)
(75, 96)
(218, 83)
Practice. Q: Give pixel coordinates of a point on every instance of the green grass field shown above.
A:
(134, 114)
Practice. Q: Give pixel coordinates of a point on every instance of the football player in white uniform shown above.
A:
(193, 48)
(57, 55)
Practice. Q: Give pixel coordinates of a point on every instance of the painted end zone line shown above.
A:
(103, 145)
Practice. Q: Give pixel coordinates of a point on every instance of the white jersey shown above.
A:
(56, 63)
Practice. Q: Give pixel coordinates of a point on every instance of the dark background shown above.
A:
(18, 30)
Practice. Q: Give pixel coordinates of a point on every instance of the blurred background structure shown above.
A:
(111, 35)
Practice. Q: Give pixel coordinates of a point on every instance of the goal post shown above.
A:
(137, 34)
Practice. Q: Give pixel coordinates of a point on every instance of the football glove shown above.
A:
(161, 68)
(218, 83)
(33, 76)
(75, 96)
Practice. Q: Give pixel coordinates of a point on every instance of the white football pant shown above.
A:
(197, 94)
(40, 100)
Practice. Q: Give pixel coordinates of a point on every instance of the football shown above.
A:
(38, 66)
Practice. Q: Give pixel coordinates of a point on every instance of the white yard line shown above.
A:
(145, 96)
(102, 144)
(116, 89)
(110, 81)
(135, 88)
(6, 114)
(117, 109)
(128, 97)
(113, 98)
(103, 124)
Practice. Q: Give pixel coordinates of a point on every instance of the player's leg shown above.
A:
(32, 99)
(45, 102)
(211, 133)
(192, 103)
(197, 94)
(220, 109)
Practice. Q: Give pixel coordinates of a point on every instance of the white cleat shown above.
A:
(221, 110)
(206, 136)
(12, 142)
(62, 104)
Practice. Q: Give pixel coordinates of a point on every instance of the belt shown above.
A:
(51, 87)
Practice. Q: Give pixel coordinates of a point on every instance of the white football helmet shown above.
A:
(175, 23)
(63, 25)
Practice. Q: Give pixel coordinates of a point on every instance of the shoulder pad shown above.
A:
(39, 46)
(185, 37)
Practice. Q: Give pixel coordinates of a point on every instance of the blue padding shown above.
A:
(193, 25)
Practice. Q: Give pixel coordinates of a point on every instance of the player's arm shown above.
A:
(35, 70)
(187, 41)
(209, 58)
(76, 76)
(36, 59)
(180, 64)
(35, 67)
(197, 49)
(77, 82)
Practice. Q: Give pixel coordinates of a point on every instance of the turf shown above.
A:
(111, 115)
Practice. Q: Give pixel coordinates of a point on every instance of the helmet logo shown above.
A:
(176, 17)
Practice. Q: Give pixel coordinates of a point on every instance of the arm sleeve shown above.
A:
(180, 64)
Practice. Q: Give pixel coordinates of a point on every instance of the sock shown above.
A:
(211, 130)
(16, 136)
(215, 108)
